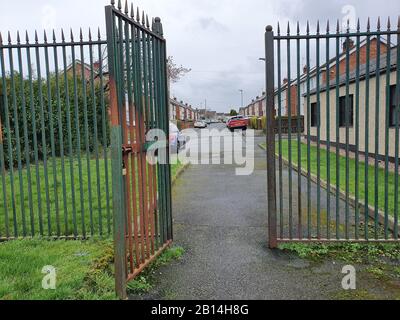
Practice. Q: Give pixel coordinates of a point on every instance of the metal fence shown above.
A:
(339, 181)
(54, 137)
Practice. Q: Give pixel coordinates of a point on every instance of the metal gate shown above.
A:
(339, 179)
(138, 103)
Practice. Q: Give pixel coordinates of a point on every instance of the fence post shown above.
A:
(271, 173)
(116, 163)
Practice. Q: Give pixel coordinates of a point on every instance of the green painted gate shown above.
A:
(338, 180)
(139, 103)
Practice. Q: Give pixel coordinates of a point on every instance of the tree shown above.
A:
(233, 113)
(175, 72)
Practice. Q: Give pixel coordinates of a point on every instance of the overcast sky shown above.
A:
(220, 40)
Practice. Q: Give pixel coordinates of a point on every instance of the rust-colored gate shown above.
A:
(139, 103)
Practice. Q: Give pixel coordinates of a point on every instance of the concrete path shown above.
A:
(221, 221)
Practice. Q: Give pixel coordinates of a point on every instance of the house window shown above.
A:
(314, 115)
(342, 111)
(393, 106)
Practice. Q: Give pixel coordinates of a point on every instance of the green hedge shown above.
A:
(63, 113)
(258, 123)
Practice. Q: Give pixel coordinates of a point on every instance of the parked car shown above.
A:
(176, 139)
(237, 123)
(200, 125)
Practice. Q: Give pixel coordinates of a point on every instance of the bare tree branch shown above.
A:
(175, 72)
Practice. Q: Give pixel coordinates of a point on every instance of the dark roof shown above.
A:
(363, 71)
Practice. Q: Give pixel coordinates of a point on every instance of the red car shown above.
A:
(237, 123)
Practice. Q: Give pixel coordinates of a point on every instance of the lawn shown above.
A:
(83, 270)
(342, 171)
(67, 200)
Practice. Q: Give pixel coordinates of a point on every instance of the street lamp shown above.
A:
(241, 92)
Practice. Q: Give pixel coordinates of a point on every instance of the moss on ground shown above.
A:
(378, 266)
(145, 282)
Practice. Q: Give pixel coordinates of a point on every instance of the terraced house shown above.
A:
(377, 109)
(180, 111)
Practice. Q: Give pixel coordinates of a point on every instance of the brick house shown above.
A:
(312, 73)
(339, 106)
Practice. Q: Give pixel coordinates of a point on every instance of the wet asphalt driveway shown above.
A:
(220, 219)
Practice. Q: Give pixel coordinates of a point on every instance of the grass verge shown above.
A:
(342, 174)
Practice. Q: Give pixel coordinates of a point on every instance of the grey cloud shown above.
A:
(212, 24)
(221, 40)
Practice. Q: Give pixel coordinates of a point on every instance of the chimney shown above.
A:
(348, 43)
(305, 69)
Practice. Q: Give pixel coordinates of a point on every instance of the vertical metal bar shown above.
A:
(6, 122)
(144, 128)
(163, 211)
(397, 141)
(69, 129)
(52, 139)
(166, 109)
(61, 136)
(367, 113)
(139, 120)
(161, 205)
(387, 124)
(34, 136)
(289, 107)
(78, 136)
(3, 176)
(147, 100)
(308, 84)
(156, 124)
(318, 134)
(328, 134)
(126, 139)
(26, 140)
(105, 136)
(377, 127)
(279, 66)
(166, 170)
(357, 135)
(95, 133)
(337, 92)
(271, 174)
(44, 143)
(86, 125)
(120, 66)
(131, 69)
(299, 202)
(137, 97)
(18, 145)
(152, 126)
(347, 120)
(116, 145)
